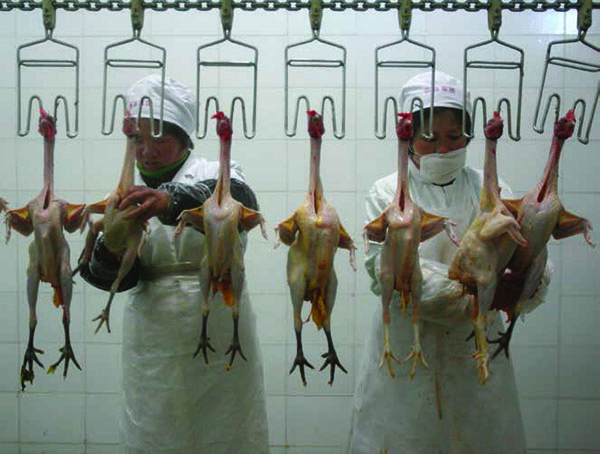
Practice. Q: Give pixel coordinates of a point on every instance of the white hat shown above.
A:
(448, 92)
(179, 103)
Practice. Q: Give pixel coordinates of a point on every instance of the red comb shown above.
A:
(405, 115)
(47, 125)
(570, 116)
(496, 114)
(218, 115)
(311, 113)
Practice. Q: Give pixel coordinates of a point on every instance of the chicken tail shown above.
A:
(225, 288)
(317, 311)
(57, 298)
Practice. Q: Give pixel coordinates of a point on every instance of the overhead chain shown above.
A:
(296, 5)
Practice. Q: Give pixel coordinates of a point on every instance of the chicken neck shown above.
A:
(315, 187)
(563, 129)
(490, 193)
(223, 182)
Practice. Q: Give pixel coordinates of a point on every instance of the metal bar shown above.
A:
(49, 63)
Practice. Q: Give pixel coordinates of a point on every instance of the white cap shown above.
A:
(179, 103)
(448, 92)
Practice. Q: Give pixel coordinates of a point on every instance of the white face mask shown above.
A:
(439, 168)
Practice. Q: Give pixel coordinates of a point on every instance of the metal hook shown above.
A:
(315, 16)
(137, 23)
(494, 17)
(48, 16)
(207, 116)
(478, 100)
(307, 107)
(404, 19)
(494, 23)
(226, 16)
(227, 19)
(584, 21)
(49, 20)
(137, 16)
(556, 98)
(29, 110)
(586, 138)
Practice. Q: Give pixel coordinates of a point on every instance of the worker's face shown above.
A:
(153, 154)
(447, 136)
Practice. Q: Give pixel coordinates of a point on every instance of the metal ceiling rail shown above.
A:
(293, 5)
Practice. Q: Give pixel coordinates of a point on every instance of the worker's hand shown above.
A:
(150, 202)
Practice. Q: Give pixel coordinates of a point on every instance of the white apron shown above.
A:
(443, 409)
(173, 402)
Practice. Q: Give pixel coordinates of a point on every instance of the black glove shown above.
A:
(186, 197)
(183, 197)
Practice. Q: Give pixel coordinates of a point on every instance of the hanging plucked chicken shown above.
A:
(122, 237)
(46, 216)
(486, 247)
(221, 219)
(314, 232)
(540, 215)
(401, 227)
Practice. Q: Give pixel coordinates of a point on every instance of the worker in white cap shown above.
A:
(443, 409)
(173, 402)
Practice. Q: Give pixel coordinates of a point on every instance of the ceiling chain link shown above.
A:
(296, 5)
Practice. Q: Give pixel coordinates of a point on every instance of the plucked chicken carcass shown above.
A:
(46, 216)
(314, 233)
(486, 247)
(122, 237)
(401, 227)
(221, 219)
(540, 214)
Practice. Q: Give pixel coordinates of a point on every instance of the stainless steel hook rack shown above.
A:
(49, 19)
(137, 23)
(227, 22)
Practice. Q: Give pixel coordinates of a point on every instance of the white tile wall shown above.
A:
(555, 351)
